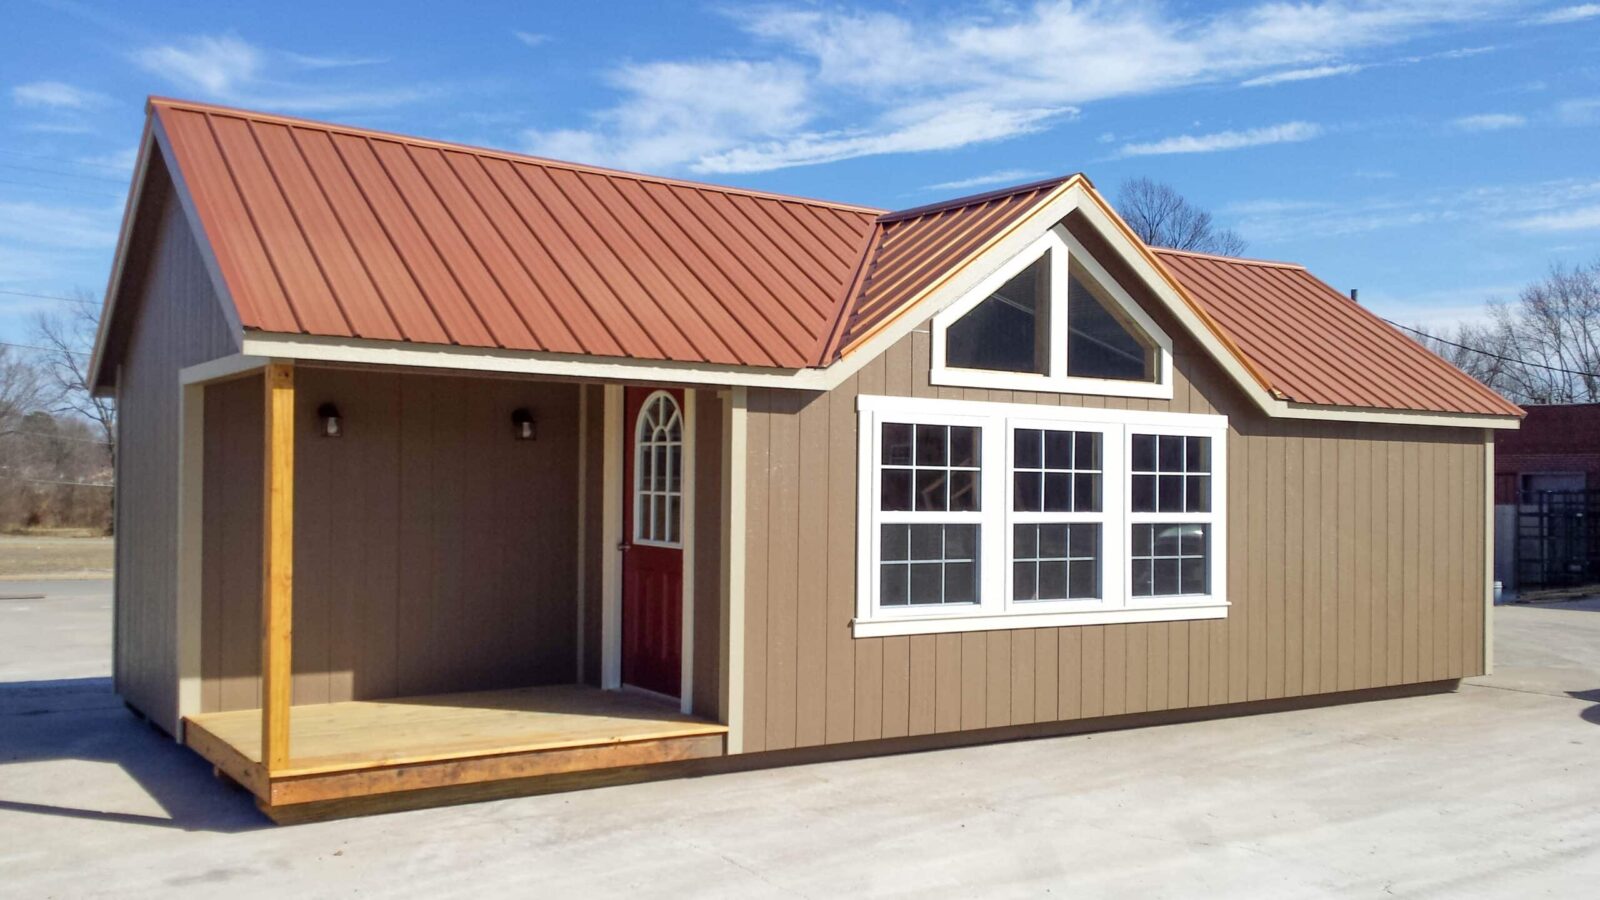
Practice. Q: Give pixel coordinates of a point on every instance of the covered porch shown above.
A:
(425, 597)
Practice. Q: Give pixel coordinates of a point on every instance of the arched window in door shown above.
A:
(658, 471)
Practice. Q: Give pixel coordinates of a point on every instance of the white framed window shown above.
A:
(658, 472)
(1052, 319)
(977, 516)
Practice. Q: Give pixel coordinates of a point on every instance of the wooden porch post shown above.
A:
(277, 566)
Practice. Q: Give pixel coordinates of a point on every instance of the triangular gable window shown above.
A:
(1009, 330)
(1052, 319)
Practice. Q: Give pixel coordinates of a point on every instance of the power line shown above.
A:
(45, 187)
(51, 297)
(1491, 355)
(61, 173)
(42, 349)
(82, 162)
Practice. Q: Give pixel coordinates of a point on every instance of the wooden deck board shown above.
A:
(370, 734)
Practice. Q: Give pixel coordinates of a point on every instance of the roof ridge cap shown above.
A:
(508, 155)
(972, 199)
(1241, 260)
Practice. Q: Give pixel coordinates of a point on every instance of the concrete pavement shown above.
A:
(1491, 791)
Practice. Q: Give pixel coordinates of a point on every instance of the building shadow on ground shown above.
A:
(82, 719)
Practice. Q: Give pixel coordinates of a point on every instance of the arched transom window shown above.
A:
(658, 471)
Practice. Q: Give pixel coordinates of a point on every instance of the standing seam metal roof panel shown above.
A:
(325, 230)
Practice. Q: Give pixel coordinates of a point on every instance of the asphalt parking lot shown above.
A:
(1489, 791)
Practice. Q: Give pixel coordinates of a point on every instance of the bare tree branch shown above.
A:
(68, 336)
(1161, 217)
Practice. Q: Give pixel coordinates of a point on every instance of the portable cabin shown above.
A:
(449, 473)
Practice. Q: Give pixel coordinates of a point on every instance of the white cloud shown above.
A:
(55, 95)
(231, 70)
(1581, 218)
(59, 227)
(1003, 176)
(684, 111)
(1545, 206)
(216, 65)
(121, 161)
(1579, 112)
(531, 38)
(1287, 132)
(1565, 14)
(1490, 122)
(1305, 74)
(883, 82)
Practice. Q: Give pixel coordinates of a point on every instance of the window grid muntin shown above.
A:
(658, 472)
(1174, 473)
(951, 562)
(995, 606)
(1147, 554)
(1028, 554)
(918, 471)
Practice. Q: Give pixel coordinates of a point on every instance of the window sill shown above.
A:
(946, 624)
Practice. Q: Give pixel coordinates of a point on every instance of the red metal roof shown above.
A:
(333, 231)
(341, 232)
(1316, 346)
(913, 249)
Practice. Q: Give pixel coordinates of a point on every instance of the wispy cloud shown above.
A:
(1581, 218)
(55, 95)
(1287, 132)
(1490, 122)
(885, 82)
(232, 70)
(1567, 14)
(1306, 74)
(531, 38)
(1554, 205)
(1003, 176)
(1582, 111)
(59, 227)
(120, 161)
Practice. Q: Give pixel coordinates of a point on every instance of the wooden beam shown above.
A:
(277, 566)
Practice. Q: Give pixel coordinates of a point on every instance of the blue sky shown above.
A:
(1433, 154)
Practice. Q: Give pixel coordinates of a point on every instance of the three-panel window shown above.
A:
(988, 515)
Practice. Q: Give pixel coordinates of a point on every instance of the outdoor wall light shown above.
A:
(332, 424)
(523, 425)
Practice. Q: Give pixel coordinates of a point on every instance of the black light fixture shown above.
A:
(523, 426)
(328, 417)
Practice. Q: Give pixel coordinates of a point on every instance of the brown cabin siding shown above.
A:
(1355, 560)
(433, 552)
(173, 319)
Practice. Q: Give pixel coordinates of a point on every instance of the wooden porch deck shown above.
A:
(368, 748)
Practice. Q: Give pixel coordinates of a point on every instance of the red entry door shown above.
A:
(652, 532)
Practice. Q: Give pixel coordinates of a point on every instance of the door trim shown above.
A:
(615, 493)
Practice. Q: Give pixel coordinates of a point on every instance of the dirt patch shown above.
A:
(37, 556)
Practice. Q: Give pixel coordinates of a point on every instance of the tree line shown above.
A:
(57, 440)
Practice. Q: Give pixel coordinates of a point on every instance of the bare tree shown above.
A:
(22, 390)
(1161, 217)
(67, 336)
(1543, 348)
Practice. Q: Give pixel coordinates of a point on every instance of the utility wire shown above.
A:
(51, 297)
(1491, 355)
(40, 171)
(41, 349)
(121, 170)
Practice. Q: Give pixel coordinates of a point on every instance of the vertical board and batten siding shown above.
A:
(1355, 560)
(174, 319)
(433, 552)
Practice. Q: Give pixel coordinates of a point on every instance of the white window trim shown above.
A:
(674, 459)
(995, 609)
(1064, 250)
